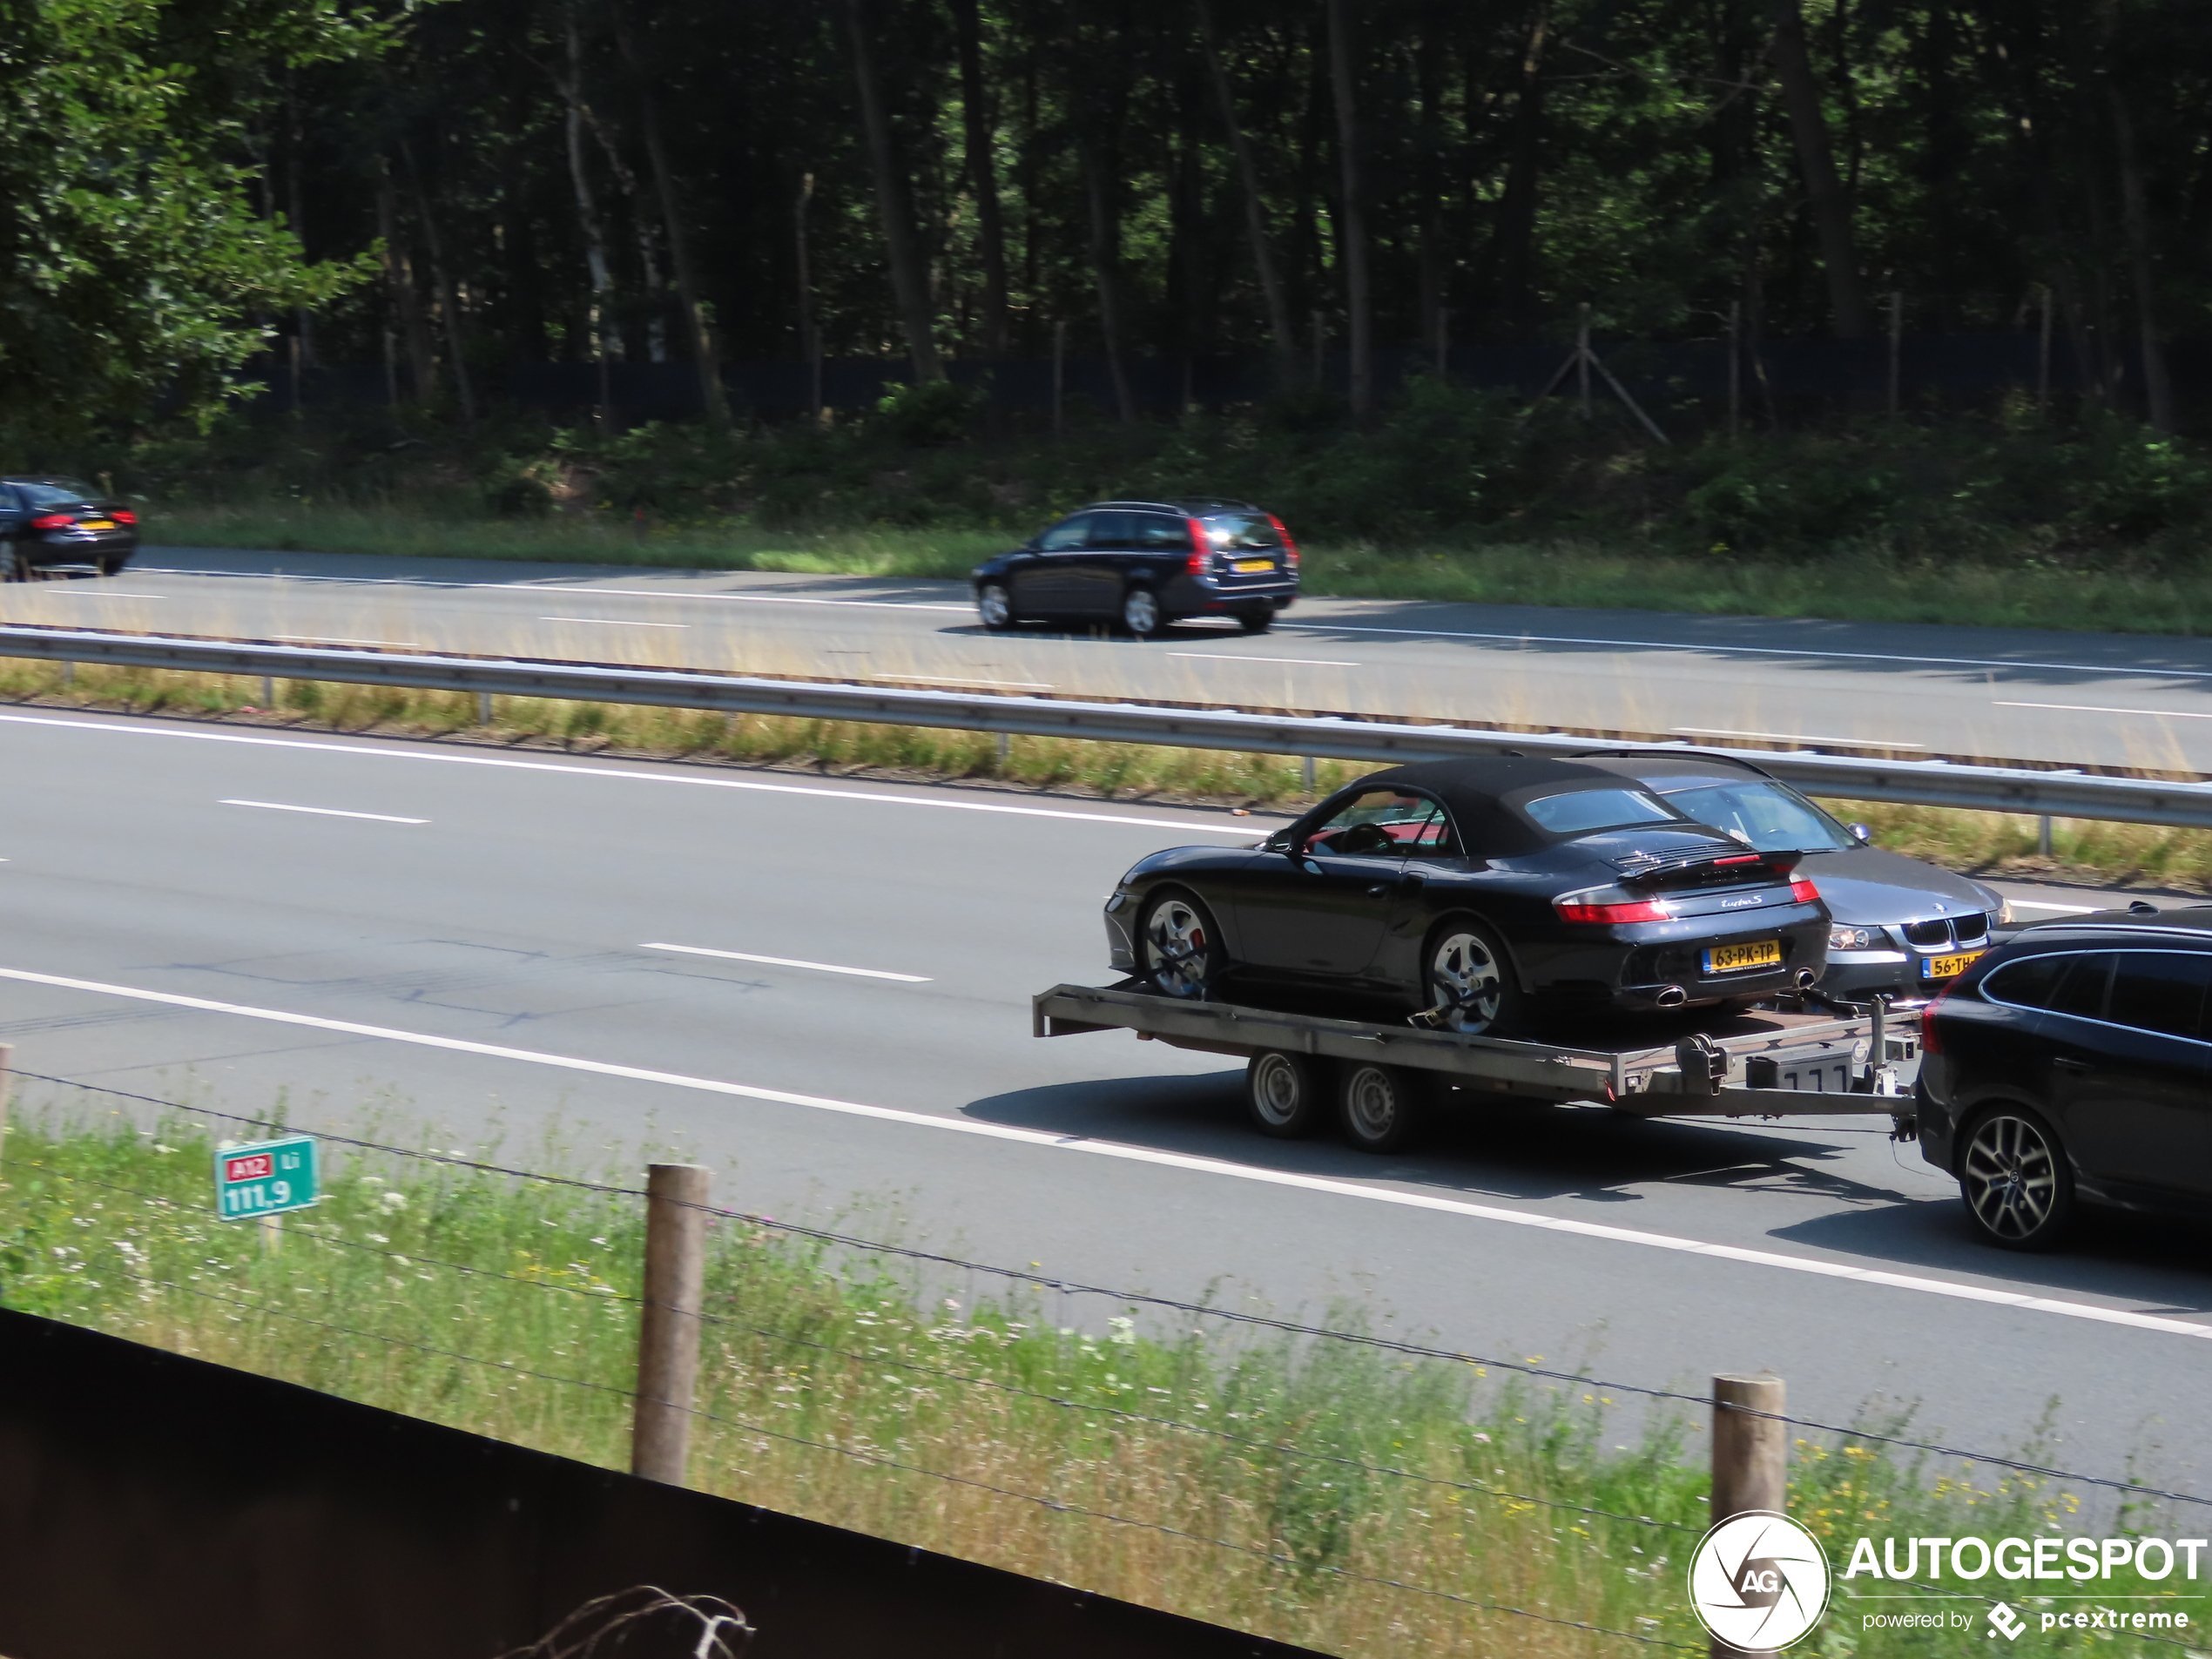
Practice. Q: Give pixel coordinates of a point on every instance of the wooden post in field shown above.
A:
(668, 1333)
(1059, 377)
(1750, 1457)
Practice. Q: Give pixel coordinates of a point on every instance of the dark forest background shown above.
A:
(929, 181)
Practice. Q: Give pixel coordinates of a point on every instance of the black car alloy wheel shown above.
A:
(1179, 944)
(1140, 612)
(1469, 986)
(1286, 1093)
(2013, 1174)
(996, 605)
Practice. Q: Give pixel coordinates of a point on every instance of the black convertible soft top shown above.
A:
(1485, 795)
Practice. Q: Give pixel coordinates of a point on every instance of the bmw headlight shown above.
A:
(1855, 939)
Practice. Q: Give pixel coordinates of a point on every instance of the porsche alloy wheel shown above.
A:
(1468, 987)
(1177, 941)
(2015, 1177)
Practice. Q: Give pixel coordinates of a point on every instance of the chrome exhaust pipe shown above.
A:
(1671, 996)
(1806, 979)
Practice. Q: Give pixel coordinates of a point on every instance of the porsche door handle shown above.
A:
(1379, 889)
(2068, 1063)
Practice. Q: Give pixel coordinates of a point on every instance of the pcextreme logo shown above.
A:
(1759, 1580)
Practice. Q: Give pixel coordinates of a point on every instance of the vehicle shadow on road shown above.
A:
(1509, 1152)
(1501, 1151)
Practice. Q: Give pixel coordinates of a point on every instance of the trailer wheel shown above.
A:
(1382, 1109)
(1286, 1094)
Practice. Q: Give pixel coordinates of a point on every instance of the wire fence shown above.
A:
(1031, 1279)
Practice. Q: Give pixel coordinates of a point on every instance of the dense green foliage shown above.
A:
(1512, 159)
(136, 262)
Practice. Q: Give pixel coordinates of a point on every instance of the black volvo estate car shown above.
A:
(1467, 891)
(2073, 1063)
(1143, 564)
(47, 522)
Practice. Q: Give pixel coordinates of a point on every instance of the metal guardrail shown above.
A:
(1920, 783)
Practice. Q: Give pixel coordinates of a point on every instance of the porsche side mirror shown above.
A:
(1861, 833)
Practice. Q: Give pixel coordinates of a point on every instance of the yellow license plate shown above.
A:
(1245, 567)
(1949, 967)
(95, 523)
(1729, 959)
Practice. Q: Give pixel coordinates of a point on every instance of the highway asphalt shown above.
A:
(2128, 700)
(821, 987)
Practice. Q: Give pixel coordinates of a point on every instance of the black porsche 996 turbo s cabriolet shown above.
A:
(1471, 892)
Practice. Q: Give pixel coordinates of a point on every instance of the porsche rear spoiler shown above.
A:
(1710, 870)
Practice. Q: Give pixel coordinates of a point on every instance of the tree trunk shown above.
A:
(449, 296)
(642, 219)
(604, 345)
(1513, 247)
(1106, 274)
(2158, 393)
(1351, 235)
(704, 357)
(1270, 279)
(1825, 195)
(909, 276)
(399, 274)
(982, 173)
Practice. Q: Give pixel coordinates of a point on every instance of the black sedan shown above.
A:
(2073, 1063)
(1472, 893)
(45, 521)
(1145, 564)
(1899, 928)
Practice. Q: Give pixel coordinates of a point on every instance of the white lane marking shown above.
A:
(338, 640)
(2063, 909)
(105, 593)
(1794, 736)
(2094, 708)
(743, 599)
(1238, 657)
(791, 962)
(1719, 648)
(321, 811)
(1170, 1160)
(953, 679)
(1243, 831)
(614, 622)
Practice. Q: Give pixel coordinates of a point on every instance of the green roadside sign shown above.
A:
(265, 1178)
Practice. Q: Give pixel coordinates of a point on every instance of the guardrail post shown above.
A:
(69, 674)
(483, 708)
(7, 1077)
(1306, 770)
(1750, 1458)
(668, 1331)
(2043, 835)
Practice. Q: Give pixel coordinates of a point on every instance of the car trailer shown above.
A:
(1839, 1060)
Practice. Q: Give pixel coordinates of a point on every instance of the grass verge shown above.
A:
(1295, 1489)
(1841, 586)
(1992, 844)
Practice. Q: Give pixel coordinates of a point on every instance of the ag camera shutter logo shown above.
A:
(1759, 1581)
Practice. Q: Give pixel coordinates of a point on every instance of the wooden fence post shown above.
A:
(1750, 1458)
(668, 1331)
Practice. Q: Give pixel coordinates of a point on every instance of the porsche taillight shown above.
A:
(1610, 906)
(1803, 891)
